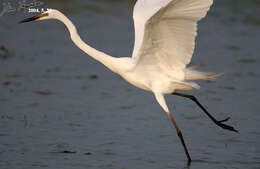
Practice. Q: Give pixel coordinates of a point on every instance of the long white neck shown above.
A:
(105, 59)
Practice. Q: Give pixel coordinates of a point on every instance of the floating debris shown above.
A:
(4, 52)
(93, 77)
(12, 76)
(7, 117)
(246, 60)
(69, 152)
(249, 19)
(65, 152)
(88, 153)
(7, 83)
(25, 119)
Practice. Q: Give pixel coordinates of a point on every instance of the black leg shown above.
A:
(180, 136)
(219, 123)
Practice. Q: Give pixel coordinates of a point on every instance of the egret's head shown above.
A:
(49, 14)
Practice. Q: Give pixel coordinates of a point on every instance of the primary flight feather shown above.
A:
(165, 32)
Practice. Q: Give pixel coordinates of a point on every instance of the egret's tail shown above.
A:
(191, 74)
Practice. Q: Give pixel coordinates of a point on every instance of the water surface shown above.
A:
(61, 109)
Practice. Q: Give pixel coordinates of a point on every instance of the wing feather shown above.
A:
(166, 34)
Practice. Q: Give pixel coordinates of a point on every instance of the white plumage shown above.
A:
(165, 32)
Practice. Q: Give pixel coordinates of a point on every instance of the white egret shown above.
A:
(165, 32)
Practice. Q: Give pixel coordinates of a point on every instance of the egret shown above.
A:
(165, 32)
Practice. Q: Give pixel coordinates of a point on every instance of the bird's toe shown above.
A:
(226, 119)
(227, 127)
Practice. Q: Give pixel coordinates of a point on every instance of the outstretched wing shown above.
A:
(165, 31)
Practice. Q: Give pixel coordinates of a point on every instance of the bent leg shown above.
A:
(219, 123)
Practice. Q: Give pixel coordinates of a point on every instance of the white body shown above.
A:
(165, 32)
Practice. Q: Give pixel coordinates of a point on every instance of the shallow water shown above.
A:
(61, 109)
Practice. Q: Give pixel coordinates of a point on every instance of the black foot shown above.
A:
(224, 126)
(224, 120)
(219, 123)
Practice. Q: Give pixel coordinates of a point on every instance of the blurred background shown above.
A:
(59, 108)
